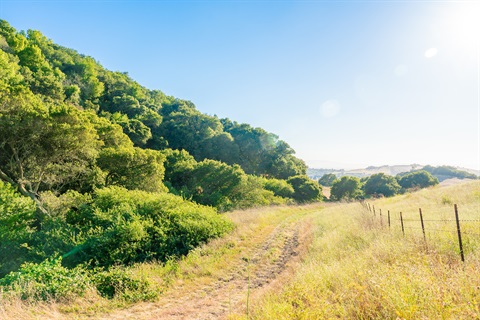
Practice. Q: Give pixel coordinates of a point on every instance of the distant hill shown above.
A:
(442, 173)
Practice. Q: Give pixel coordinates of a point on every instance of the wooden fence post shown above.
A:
(459, 233)
(373, 210)
(388, 218)
(423, 227)
(401, 220)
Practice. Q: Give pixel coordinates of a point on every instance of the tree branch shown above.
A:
(6, 178)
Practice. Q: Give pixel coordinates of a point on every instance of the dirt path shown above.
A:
(227, 294)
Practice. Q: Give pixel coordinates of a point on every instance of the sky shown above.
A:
(347, 84)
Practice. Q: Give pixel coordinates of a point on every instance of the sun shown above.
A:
(458, 27)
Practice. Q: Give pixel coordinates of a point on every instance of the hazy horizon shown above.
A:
(346, 84)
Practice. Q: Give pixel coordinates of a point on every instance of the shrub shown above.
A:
(327, 180)
(347, 188)
(250, 193)
(279, 187)
(17, 226)
(122, 227)
(306, 190)
(381, 184)
(417, 179)
(47, 280)
(122, 284)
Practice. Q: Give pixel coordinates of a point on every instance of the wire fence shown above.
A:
(406, 224)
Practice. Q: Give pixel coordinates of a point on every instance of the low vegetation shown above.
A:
(352, 266)
(358, 268)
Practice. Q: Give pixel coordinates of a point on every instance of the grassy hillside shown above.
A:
(318, 261)
(358, 268)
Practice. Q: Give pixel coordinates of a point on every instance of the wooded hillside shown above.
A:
(74, 136)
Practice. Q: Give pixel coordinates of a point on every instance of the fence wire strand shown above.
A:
(425, 230)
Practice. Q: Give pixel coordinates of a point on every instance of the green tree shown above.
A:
(213, 182)
(306, 190)
(16, 42)
(133, 168)
(327, 180)
(417, 179)
(446, 172)
(43, 146)
(279, 187)
(347, 188)
(179, 166)
(381, 184)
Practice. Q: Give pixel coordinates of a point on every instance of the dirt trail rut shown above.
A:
(256, 269)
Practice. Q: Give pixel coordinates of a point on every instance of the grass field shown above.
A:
(358, 268)
(321, 261)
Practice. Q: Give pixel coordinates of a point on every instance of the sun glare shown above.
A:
(459, 28)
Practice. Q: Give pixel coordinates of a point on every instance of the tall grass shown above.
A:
(357, 269)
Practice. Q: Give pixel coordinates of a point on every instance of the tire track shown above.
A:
(254, 270)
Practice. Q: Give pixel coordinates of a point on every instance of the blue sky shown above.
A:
(346, 83)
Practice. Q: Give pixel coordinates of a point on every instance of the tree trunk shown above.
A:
(41, 212)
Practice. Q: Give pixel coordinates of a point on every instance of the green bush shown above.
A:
(417, 179)
(347, 188)
(122, 227)
(327, 180)
(47, 280)
(250, 193)
(17, 227)
(122, 284)
(279, 187)
(381, 184)
(306, 190)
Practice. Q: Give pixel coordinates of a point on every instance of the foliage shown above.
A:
(122, 227)
(122, 284)
(217, 184)
(40, 79)
(17, 216)
(417, 179)
(46, 281)
(279, 187)
(327, 180)
(305, 189)
(251, 193)
(49, 280)
(86, 160)
(347, 188)
(114, 226)
(263, 153)
(381, 184)
(133, 168)
(446, 172)
(44, 146)
(212, 182)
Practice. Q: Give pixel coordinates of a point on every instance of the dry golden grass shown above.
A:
(359, 269)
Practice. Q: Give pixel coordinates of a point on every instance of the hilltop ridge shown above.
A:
(393, 170)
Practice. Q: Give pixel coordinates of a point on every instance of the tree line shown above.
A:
(377, 185)
(99, 171)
